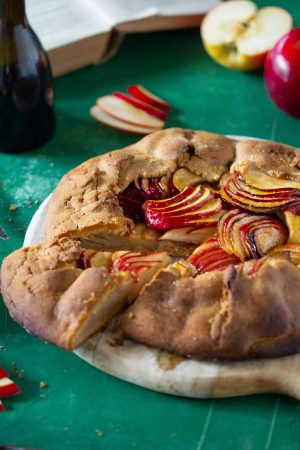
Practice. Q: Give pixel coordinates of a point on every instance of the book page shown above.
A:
(60, 22)
(118, 11)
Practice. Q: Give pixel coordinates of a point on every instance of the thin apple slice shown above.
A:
(158, 113)
(142, 267)
(3, 373)
(210, 256)
(1, 406)
(260, 180)
(110, 121)
(8, 388)
(292, 249)
(190, 235)
(141, 93)
(125, 112)
(193, 206)
(249, 235)
(291, 214)
(183, 178)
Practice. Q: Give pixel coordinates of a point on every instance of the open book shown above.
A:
(76, 33)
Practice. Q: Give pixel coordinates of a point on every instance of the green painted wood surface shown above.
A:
(80, 399)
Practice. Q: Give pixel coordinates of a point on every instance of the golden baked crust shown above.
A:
(223, 314)
(85, 201)
(55, 291)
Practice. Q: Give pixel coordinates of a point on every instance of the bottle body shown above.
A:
(26, 94)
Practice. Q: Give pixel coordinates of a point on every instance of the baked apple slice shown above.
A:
(291, 214)
(211, 256)
(249, 235)
(141, 267)
(191, 207)
(293, 251)
(183, 178)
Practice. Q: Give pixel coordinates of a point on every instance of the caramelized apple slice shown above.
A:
(292, 218)
(258, 179)
(211, 256)
(248, 235)
(183, 178)
(236, 191)
(292, 249)
(192, 206)
(142, 267)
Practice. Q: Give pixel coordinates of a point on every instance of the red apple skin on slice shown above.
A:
(8, 388)
(141, 93)
(142, 105)
(210, 256)
(249, 235)
(191, 207)
(127, 113)
(104, 118)
(3, 373)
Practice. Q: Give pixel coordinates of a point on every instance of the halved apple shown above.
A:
(162, 115)
(141, 93)
(121, 110)
(211, 256)
(249, 235)
(142, 267)
(110, 121)
(237, 35)
(191, 207)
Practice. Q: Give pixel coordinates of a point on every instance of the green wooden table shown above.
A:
(82, 408)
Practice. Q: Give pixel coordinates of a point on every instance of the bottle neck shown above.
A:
(12, 11)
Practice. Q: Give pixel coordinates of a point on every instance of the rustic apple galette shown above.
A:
(190, 239)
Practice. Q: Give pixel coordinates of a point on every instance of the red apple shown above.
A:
(282, 73)
(141, 93)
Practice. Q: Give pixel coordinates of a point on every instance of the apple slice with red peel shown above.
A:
(8, 388)
(143, 94)
(110, 121)
(158, 113)
(183, 178)
(3, 373)
(249, 235)
(237, 35)
(142, 267)
(1, 407)
(191, 207)
(190, 235)
(123, 111)
(260, 180)
(211, 256)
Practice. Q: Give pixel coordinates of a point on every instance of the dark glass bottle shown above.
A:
(26, 92)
